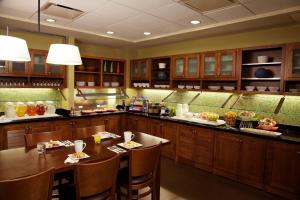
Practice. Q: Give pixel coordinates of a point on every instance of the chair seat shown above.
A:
(102, 196)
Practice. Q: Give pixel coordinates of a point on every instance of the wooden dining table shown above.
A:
(21, 162)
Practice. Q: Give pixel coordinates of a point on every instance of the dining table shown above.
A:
(21, 162)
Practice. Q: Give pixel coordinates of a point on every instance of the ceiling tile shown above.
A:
(173, 12)
(144, 5)
(19, 8)
(259, 6)
(228, 13)
(80, 4)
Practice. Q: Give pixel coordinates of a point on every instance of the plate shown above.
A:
(78, 156)
(53, 144)
(261, 132)
(130, 145)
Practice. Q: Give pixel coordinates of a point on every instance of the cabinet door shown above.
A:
(169, 132)
(19, 68)
(252, 161)
(13, 136)
(178, 66)
(192, 67)
(227, 64)
(186, 139)
(155, 128)
(293, 60)
(226, 159)
(38, 62)
(204, 147)
(209, 65)
(282, 169)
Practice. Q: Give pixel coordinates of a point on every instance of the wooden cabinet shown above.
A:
(252, 161)
(282, 169)
(140, 69)
(185, 66)
(226, 155)
(169, 132)
(186, 144)
(292, 59)
(219, 65)
(204, 148)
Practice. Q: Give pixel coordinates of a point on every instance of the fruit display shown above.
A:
(230, 118)
(246, 115)
(267, 124)
(210, 116)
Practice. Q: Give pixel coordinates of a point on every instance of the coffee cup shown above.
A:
(128, 136)
(79, 146)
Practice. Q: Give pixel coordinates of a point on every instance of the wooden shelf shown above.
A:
(257, 64)
(261, 79)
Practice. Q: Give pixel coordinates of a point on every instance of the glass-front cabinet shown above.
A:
(139, 69)
(185, 66)
(293, 61)
(218, 65)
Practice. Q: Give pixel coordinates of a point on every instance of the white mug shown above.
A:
(79, 145)
(128, 136)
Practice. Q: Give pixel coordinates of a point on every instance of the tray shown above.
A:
(130, 145)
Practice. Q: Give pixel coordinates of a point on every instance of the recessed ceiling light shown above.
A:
(147, 33)
(50, 20)
(195, 22)
(110, 32)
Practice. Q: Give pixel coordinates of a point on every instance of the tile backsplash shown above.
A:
(263, 105)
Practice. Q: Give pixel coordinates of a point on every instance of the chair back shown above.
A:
(98, 177)
(144, 161)
(31, 139)
(85, 132)
(35, 187)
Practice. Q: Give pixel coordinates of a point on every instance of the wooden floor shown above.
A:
(180, 181)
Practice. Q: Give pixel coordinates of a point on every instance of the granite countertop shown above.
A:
(289, 133)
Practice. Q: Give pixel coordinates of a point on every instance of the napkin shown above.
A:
(71, 161)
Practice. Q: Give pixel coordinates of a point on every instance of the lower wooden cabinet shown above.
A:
(283, 169)
(169, 132)
(226, 155)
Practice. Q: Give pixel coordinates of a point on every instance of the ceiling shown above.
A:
(167, 20)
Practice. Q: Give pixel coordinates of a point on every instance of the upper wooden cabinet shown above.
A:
(140, 69)
(292, 70)
(39, 67)
(218, 65)
(185, 66)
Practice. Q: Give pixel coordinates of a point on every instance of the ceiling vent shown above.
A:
(204, 6)
(61, 11)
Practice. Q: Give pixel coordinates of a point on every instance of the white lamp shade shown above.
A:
(63, 54)
(13, 49)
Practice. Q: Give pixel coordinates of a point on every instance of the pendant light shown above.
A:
(13, 49)
(61, 54)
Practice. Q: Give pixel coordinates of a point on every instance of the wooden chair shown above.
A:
(97, 180)
(35, 187)
(81, 133)
(143, 167)
(31, 139)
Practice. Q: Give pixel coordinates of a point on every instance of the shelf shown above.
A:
(113, 74)
(257, 64)
(261, 79)
(85, 72)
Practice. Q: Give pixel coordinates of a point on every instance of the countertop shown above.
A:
(289, 133)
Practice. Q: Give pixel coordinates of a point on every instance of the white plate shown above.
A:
(261, 132)
(75, 158)
(131, 146)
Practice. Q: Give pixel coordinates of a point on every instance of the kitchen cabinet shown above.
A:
(282, 169)
(140, 69)
(226, 155)
(169, 132)
(219, 65)
(186, 144)
(204, 148)
(292, 59)
(185, 66)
